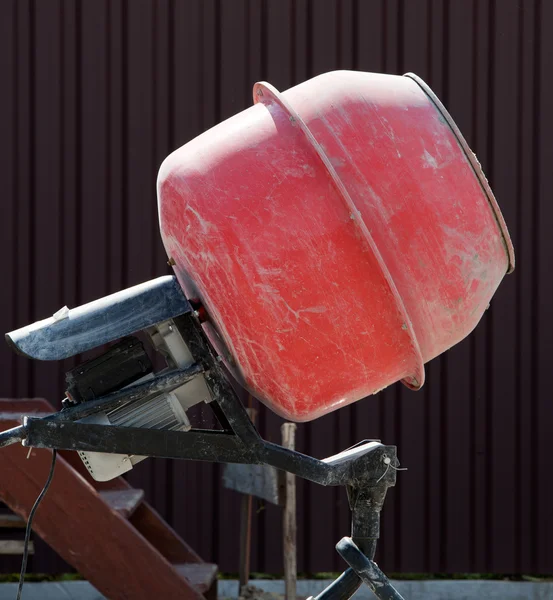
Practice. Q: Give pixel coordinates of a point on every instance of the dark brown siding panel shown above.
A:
(544, 289)
(22, 237)
(526, 282)
(412, 416)
(96, 94)
(456, 452)
(504, 479)
(8, 160)
(480, 339)
(8, 222)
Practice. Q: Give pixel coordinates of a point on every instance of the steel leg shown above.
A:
(341, 588)
(367, 570)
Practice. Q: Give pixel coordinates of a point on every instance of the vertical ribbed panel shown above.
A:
(96, 94)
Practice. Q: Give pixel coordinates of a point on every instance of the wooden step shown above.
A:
(125, 502)
(9, 521)
(200, 575)
(15, 547)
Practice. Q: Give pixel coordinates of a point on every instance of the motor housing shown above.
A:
(124, 361)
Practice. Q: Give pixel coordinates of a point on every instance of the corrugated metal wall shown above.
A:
(94, 95)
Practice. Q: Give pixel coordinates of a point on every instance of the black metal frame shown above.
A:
(367, 469)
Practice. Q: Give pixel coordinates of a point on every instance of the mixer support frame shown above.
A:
(367, 469)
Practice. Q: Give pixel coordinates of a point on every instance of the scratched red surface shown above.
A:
(338, 236)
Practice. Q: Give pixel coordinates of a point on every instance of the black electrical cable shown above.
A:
(30, 522)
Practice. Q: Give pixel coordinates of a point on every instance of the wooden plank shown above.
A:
(289, 525)
(244, 566)
(15, 547)
(167, 541)
(125, 502)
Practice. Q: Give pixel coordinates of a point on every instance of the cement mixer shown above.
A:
(326, 243)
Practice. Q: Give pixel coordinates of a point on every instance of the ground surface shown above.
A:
(274, 590)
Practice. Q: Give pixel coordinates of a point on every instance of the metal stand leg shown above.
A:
(367, 570)
(366, 500)
(342, 588)
(362, 570)
(366, 504)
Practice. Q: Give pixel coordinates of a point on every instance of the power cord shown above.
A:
(30, 522)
